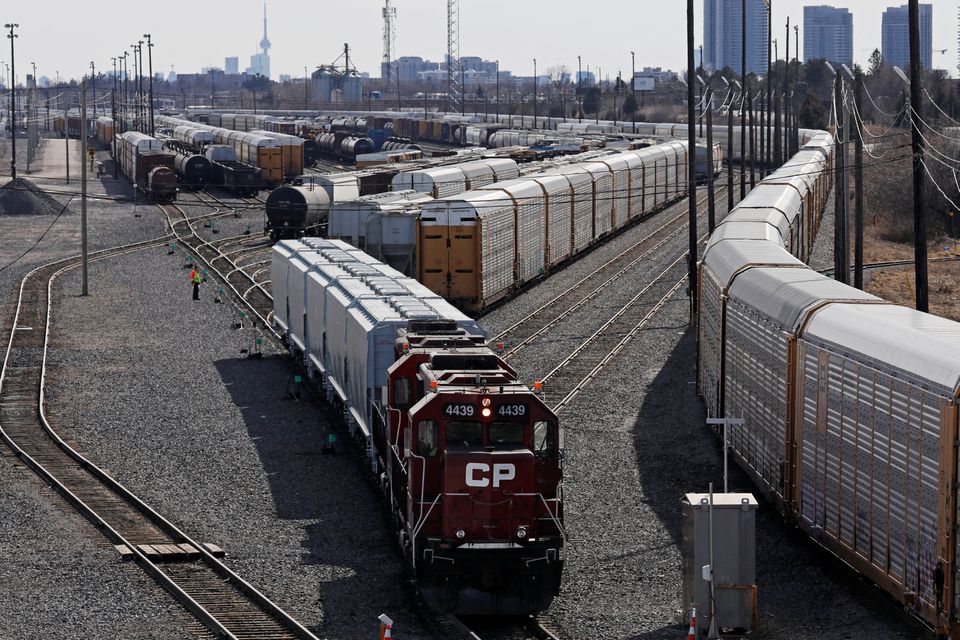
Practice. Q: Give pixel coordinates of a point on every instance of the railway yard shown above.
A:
(204, 451)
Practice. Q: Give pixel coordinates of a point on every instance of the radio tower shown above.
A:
(454, 90)
(389, 39)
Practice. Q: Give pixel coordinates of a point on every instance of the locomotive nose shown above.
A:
(489, 496)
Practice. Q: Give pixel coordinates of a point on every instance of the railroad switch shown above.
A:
(203, 275)
(256, 351)
(189, 263)
(172, 249)
(219, 297)
(246, 230)
(239, 323)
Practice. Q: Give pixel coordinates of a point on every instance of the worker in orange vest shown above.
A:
(196, 278)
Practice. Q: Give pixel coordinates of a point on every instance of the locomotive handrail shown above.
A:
(420, 523)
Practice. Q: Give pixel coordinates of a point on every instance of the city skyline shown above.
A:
(421, 31)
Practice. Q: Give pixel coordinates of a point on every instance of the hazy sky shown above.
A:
(65, 36)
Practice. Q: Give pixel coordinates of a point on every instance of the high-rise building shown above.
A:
(828, 35)
(723, 35)
(231, 65)
(896, 36)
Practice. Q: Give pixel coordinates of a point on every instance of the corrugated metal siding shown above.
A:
(710, 326)
(531, 238)
(755, 389)
(870, 468)
(497, 230)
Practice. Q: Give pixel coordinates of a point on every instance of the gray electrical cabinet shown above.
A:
(734, 560)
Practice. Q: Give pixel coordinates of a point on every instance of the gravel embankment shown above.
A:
(61, 578)
(636, 442)
(210, 439)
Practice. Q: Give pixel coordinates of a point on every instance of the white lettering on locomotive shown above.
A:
(502, 472)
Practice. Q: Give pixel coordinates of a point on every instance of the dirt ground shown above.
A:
(897, 284)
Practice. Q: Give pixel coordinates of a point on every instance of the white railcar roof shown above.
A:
(786, 294)
(727, 257)
(924, 346)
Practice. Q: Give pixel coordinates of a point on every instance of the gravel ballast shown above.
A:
(211, 439)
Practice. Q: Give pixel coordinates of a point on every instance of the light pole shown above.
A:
(126, 89)
(150, 71)
(498, 92)
(633, 87)
(136, 103)
(93, 85)
(13, 101)
(143, 112)
(534, 93)
(579, 89)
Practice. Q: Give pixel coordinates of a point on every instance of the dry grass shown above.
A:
(897, 285)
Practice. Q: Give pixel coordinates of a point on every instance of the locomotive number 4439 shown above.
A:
(512, 410)
(460, 410)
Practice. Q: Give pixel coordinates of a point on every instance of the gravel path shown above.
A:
(219, 449)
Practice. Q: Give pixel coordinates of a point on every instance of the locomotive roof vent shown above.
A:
(464, 362)
(434, 327)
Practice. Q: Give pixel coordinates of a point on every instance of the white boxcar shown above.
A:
(878, 383)
(559, 200)
(764, 310)
(439, 182)
(531, 213)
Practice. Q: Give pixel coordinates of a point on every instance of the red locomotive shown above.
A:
(470, 461)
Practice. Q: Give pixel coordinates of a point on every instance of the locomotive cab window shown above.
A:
(402, 393)
(428, 438)
(544, 439)
(506, 435)
(465, 435)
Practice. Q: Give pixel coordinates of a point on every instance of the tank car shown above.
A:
(352, 147)
(194, 170)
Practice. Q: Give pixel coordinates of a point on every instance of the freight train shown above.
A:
(147, 165)
(468, 457)
(850, 403)
(293, 211)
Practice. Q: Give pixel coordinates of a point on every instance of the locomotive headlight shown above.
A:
(522, 533)
(461, 534)
(485, 402)
(485, 412)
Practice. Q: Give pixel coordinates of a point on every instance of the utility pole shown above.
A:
(633, 85)
(769, 97)
(711, 196)
(83, 187)
(13, 101)
(916, 115)
(703, 90)
(534, 93)
(795, 139)
(113, 142)
(150, 71)
(743, 79)
(786, 99)
(143, 107)
(66, 134)
(579, 89)
(93, 86)
(733, 97)
(753, 155)
(841, 263)
(858, 188)
(498, 92)
(692, 165)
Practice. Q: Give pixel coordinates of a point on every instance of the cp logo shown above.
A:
(478, 474)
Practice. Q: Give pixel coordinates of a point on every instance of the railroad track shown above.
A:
(231, 267)
(893, 264)
(520, 335)
(221, 600)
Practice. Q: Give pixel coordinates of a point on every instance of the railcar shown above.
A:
(478, 247)
(850, 403)
(467, 457)
(293, 211)
(147, 165)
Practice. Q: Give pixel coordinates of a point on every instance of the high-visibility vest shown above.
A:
(195, 277)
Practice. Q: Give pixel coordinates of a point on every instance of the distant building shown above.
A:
(231, 65)
(284, 77)
(414, 68)
(260, 62)
(828, 35)
(896, 37)
(723, 35)
(586, 78)
(333, 86)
